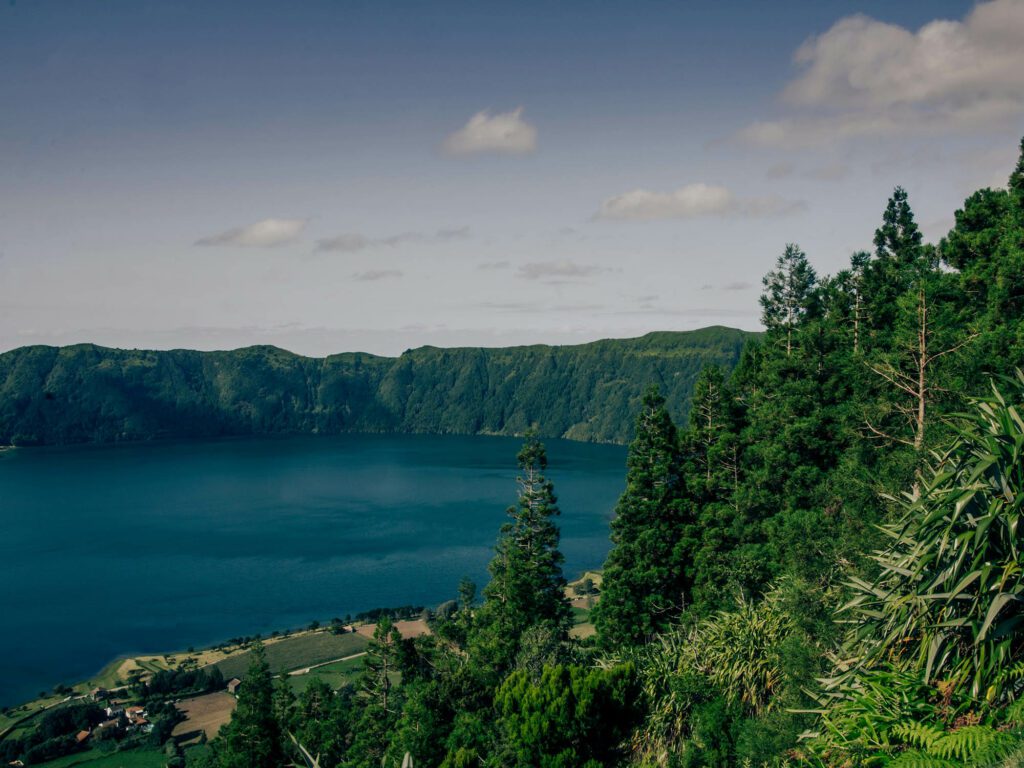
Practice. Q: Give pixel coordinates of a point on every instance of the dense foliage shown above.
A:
(85, 393)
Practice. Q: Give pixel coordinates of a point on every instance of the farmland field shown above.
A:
(336, 675)
(297, 652)
(204, 713)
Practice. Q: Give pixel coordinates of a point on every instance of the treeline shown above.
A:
(822, 568)
(53, 736)
(179, 683)
(85, 393)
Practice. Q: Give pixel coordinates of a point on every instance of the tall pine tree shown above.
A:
(788, 292)
(253, 737)
(527, 587)
(645, 580)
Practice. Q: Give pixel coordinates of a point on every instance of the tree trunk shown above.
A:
(922, 366)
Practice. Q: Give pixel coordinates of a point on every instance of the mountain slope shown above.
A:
(85, 393)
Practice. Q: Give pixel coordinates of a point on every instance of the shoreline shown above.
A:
(115, 674)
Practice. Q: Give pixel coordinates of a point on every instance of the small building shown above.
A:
(232, 686)
(82, 736)
(97, 694)
(114, 710)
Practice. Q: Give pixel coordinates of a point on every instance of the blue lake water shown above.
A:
(143, 548)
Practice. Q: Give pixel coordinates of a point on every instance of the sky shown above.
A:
(376, 176)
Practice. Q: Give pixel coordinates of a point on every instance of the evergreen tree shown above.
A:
(898, 252)
(789, 289)
(527, 587)
(714, 472)
(645, 579)
(323, 722)
(567, 717)
(380, 700)
(1016, 184)
(899, 239)
(253, 738)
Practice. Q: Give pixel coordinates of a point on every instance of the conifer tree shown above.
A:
(898, 261)
(789, 289)
(899, 239)
(527, 587)
(253, 738)
(381, 706)
(645, 577)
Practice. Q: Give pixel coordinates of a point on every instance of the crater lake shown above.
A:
(154, 547)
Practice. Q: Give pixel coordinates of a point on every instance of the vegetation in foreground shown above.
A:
(822, 569)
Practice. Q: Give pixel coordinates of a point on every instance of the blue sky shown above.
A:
(329, 176)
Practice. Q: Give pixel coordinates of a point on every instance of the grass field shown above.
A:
(581, 626)
(336, 675)
(297, 652)
(136, 758)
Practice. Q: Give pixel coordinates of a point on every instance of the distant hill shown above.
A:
(86, 394)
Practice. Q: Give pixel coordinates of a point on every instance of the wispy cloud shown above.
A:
(351, 242)
(735, 285)
(558, 270)
(692, 201)
(502, 133)
(514, 307)
(377, 274)
(267, 233)
(828, 172)
(493, 266)
(866, 78)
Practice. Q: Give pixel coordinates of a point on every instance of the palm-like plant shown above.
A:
(735, 653)
(949, 602)
(933, 671)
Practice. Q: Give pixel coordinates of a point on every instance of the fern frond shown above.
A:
(974, 743)
(918, 734)
(917, 759)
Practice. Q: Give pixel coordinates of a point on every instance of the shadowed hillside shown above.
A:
(85, 393)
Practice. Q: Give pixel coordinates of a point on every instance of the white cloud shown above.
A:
(376, 274)
(866, 78)
(692, 201)
(564, 269)
(267, 233)
(503, 133)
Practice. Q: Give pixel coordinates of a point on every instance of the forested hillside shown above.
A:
(823, 567)
(85, 393)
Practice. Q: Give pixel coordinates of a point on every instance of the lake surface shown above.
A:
(155, 547)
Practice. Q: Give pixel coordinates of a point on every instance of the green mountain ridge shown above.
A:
(85, 393)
